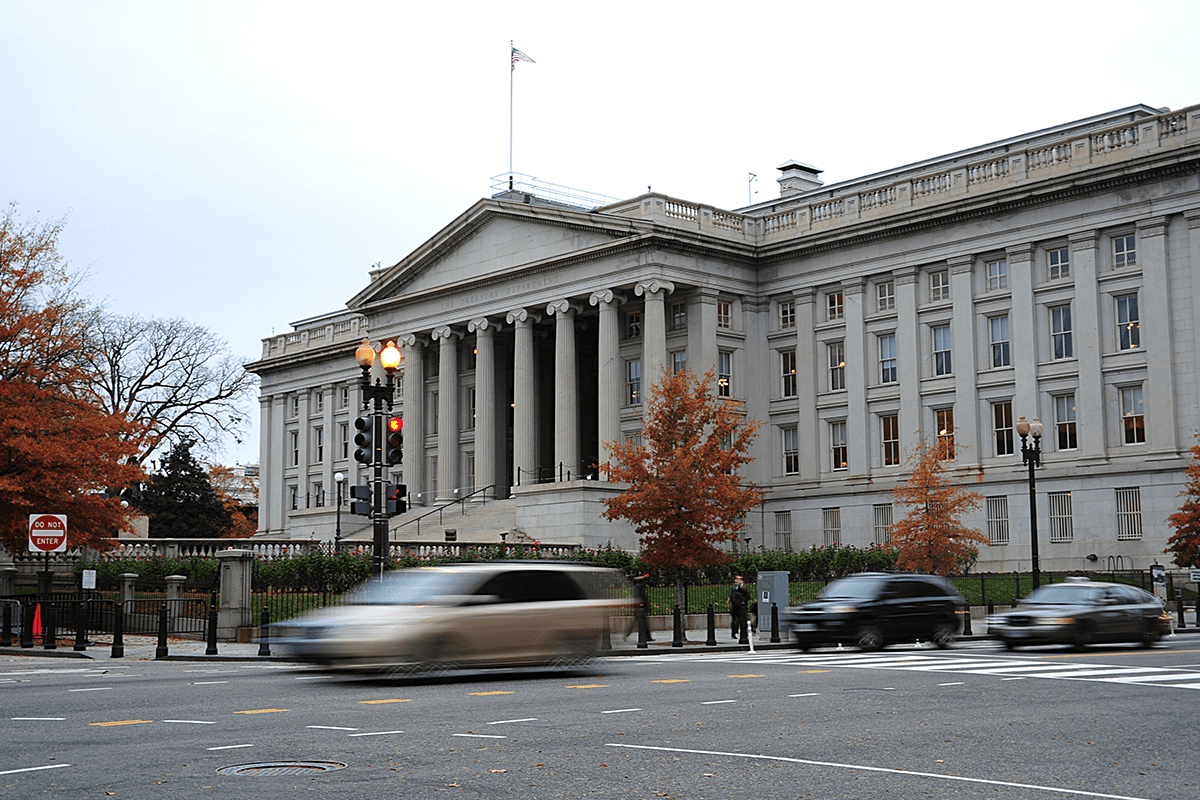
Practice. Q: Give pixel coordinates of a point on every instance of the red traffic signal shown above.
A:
(395, 440)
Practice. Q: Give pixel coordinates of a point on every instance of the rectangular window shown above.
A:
(295, 407)
(634, 438)
(344, 433)
(783, 531)
(939, 285)
(835, 306)
(294, 493)
(633, 324)
(837, 446)
(837, 366)
(345, 403)
(885, 296)
(725, 374)
(724, 314)
(319, 444)
(1132, 418)
(1002, 424)
(1064, 422)
(887, 358)
(787, 315)
(997, 275)
(432, 405)
(832, 524)
(945, 432)
(1124, 251)
(787, 361)
(998, 329)
(791, 450)
(997, 520)
(678, 361)
(678, 316)
(1129, 513)
(470, 476)
(319, 495)
(1129, 334)
(883, 523)
(472, 397)
(1062, 529)
(320, 402)
(942, 364)
(1060, 329)
(633, 381)
(295, 436)
(889, 425)
(1058, 263)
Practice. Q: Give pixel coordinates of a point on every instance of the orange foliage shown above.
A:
(684, 492)
(1185, 543)
(229, 486)
(58, 453)
(931, 538)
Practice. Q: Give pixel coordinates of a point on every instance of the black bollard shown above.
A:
(49, 633)
(264, 633)
(118, 645)
(605, 635)
(211, 650)
(6, 626)
(81, 640)
(712, 627)
(745, 632)
(27, 625)
(677, 639)
(774, 624)
(967, 622)
(643, 630)
(161, 650)
(1178, 599)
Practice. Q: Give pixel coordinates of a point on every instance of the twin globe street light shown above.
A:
(380, 444)
(1032, 458)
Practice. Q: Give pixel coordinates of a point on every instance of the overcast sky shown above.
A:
(243, 164)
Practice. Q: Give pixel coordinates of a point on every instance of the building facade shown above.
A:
(1054, 275)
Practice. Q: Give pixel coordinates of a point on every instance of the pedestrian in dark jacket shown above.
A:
(739, 605)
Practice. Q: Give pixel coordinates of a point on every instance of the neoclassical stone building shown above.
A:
(1054, 275)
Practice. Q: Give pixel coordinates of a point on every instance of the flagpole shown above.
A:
(511, 70)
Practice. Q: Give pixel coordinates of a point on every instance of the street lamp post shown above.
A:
(337, 530)
(1032, 458)
(374, 396)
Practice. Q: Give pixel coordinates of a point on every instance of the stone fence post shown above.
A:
(235, 611)
(128, 587)
(174, 595)
(8, 580)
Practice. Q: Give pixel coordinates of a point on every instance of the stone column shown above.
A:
(328, 485)
(702, 332)
(1022, 326)
(235, 611)
(447, 434)
(962, 334)
(858, 426)
(609, 405)
(908, 356)
(1089, 397)
(414, 417)
(654, 334)
(808, 368)
(485, 405)
(566, 391)
(271, 492)
(524, 397)
(1158, 392)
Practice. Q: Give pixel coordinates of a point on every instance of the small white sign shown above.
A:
(1196, 576)
(89, 579)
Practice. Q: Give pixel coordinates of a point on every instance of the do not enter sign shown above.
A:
(47, 533)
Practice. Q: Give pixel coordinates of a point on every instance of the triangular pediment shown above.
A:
(492, 239)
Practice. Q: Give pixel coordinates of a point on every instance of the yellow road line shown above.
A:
(590, 686)
(747, 676)
(674, 680)
(377, 702)
(261, 711)
(121, 722)
(484, 694)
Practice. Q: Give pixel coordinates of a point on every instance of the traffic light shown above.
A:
(360, 502)
(363, 439)
(395, 440)
(396, 494)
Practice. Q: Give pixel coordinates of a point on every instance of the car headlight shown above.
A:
(843, 609)
(1061, 621)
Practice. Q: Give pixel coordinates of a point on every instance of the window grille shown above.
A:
(783, 531)
(997, 520)
(832, 526)
(1129, 513)
(1061, 527)
(883, 523)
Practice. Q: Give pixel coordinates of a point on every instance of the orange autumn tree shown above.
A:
(59, 454)
(239, 495)
(931, 538)
(1185, 543)
(684, 495)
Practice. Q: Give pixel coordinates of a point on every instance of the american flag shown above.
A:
(517, 55)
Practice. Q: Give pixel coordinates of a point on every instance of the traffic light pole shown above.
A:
(374, 397)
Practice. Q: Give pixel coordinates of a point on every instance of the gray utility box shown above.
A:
(772, 588)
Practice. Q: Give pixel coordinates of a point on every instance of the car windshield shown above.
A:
(859, 588)
(1064, 594)
(415, 587)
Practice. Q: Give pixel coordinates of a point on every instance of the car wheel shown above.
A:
(1081, 637)
(1009, 644)
(441, 657)
(943, 636)
(869, 637)
(803, 644)
(1150, 635)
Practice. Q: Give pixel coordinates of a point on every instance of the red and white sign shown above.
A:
(47, 533)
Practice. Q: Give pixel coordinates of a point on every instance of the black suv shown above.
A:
(874, 608)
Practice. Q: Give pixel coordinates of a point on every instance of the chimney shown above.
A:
(796, 177)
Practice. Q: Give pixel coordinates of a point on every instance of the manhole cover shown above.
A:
(282, 768)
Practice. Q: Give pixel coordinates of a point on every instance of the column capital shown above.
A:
(960, 264)
(1019, 254)
(412, 340)
(654, 287)
(805, 296)
(561, 307)
(1155, 226)
(605, 296)
(853, 286)
(522, 315)
(1193, 218)
(482, 324)
(1086, 240)
(446, 332)
(905, 275)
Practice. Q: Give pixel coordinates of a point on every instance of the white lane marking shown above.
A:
(207, 683)
(190, 721)
(1018, 678)
(506, 721)
(1088, 671)
(376, 733)
(955, 683)
(33, 769)
(716, 702)
(620, 711)
(38, 719)
(806, 694)
(93, 689)
(865, 768)
(330, 728)
(311, 677)
(480, 735)
(230, 747)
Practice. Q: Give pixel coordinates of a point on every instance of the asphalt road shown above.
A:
(972, 722)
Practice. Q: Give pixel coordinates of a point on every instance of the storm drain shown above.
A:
(282, 768)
